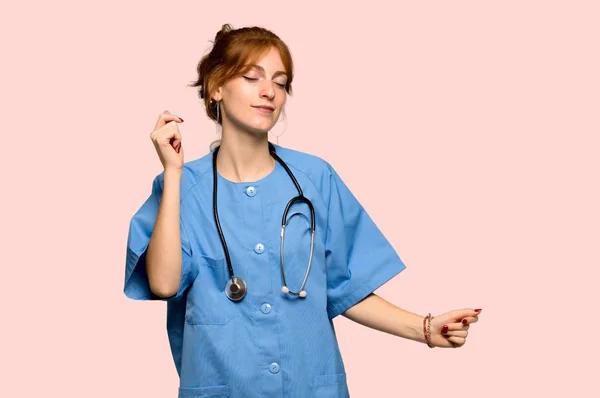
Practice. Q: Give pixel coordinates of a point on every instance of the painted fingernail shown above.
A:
(181, 119)
(464, 321)
(445, 329)
(478, 310)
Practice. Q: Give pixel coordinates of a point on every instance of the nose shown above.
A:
(267, 90)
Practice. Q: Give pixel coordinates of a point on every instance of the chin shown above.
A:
(260, 126)
(254, 125)
(260, 131)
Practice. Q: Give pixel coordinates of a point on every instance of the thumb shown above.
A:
(458, 315)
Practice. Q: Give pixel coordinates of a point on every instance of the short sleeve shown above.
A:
(141, 225)
(359, 258)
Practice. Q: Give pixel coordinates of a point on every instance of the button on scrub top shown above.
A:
(270, 344)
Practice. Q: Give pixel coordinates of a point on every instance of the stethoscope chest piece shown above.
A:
(235, 289)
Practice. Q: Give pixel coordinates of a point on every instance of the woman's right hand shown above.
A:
(167, 141)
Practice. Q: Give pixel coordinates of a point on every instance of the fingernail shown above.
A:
(181, 119)
(478, 310)
(464, 321)
(445, 329)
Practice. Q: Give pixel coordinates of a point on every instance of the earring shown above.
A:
(284, 129)
(216, 121)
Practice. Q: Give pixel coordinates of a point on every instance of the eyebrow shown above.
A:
(260, 68)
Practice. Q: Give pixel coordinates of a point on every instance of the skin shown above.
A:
(244, 156)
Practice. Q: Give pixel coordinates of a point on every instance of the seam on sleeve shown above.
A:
(311, 181)
(326, 203)
(199, 178)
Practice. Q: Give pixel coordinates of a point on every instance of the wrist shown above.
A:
(173, 172)
(426, 330)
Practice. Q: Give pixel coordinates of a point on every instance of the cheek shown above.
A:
(238, 103)
(240, 97)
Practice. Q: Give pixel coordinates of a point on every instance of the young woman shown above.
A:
(256, 247)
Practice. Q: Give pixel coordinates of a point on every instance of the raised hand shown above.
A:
(167, 140)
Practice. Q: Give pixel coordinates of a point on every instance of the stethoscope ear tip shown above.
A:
(286, 290)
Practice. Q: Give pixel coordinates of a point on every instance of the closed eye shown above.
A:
(253, 79)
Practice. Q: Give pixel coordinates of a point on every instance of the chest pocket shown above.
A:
(207, 303)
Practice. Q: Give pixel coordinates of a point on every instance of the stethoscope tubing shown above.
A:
(235, 281)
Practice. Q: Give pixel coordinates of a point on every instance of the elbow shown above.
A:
(163, 292)
(159, 283)
(163, 282)
(159, 288)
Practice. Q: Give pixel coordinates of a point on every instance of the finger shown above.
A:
(457, 333)
(166, 127)
(455, 326)
(467, 312)
(469, 319)
(458, 341)
(165, 133)
(171, 133)
(166, 117)
(169, 116)
(175, 142)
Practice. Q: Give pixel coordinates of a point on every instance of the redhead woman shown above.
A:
(256, 247)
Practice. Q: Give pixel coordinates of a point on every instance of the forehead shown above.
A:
(270, 63)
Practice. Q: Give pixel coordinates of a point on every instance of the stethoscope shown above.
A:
(236, 287)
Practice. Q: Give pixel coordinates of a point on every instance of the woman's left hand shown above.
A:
(450, 330)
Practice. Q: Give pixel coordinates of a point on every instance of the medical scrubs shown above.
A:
(270, 344)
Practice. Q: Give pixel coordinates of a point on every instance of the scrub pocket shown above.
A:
(212, 391)
(331, 386)
(207, 303)
(209, 351)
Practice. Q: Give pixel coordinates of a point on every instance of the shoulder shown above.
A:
(319, 171)
(313, 166)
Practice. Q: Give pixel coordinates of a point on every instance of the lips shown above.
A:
(267, 110)
(265, 107)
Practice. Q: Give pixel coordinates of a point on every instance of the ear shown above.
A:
(218, 95)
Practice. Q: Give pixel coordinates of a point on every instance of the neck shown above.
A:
(244, 156)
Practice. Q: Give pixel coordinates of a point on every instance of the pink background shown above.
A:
(469, 131)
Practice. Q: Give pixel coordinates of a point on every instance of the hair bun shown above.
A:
(226, 28)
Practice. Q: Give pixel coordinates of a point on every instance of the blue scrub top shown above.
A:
(270, 344)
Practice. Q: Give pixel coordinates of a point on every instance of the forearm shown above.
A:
(164, 257)
(379, 314)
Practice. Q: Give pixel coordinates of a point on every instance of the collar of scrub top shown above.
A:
(236, 287)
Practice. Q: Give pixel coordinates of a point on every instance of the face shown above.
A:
(253, 102)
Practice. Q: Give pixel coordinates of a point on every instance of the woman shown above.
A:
(210, 242)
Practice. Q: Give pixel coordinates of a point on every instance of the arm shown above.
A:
(447, 330)
(379, 314)
(163, 257)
